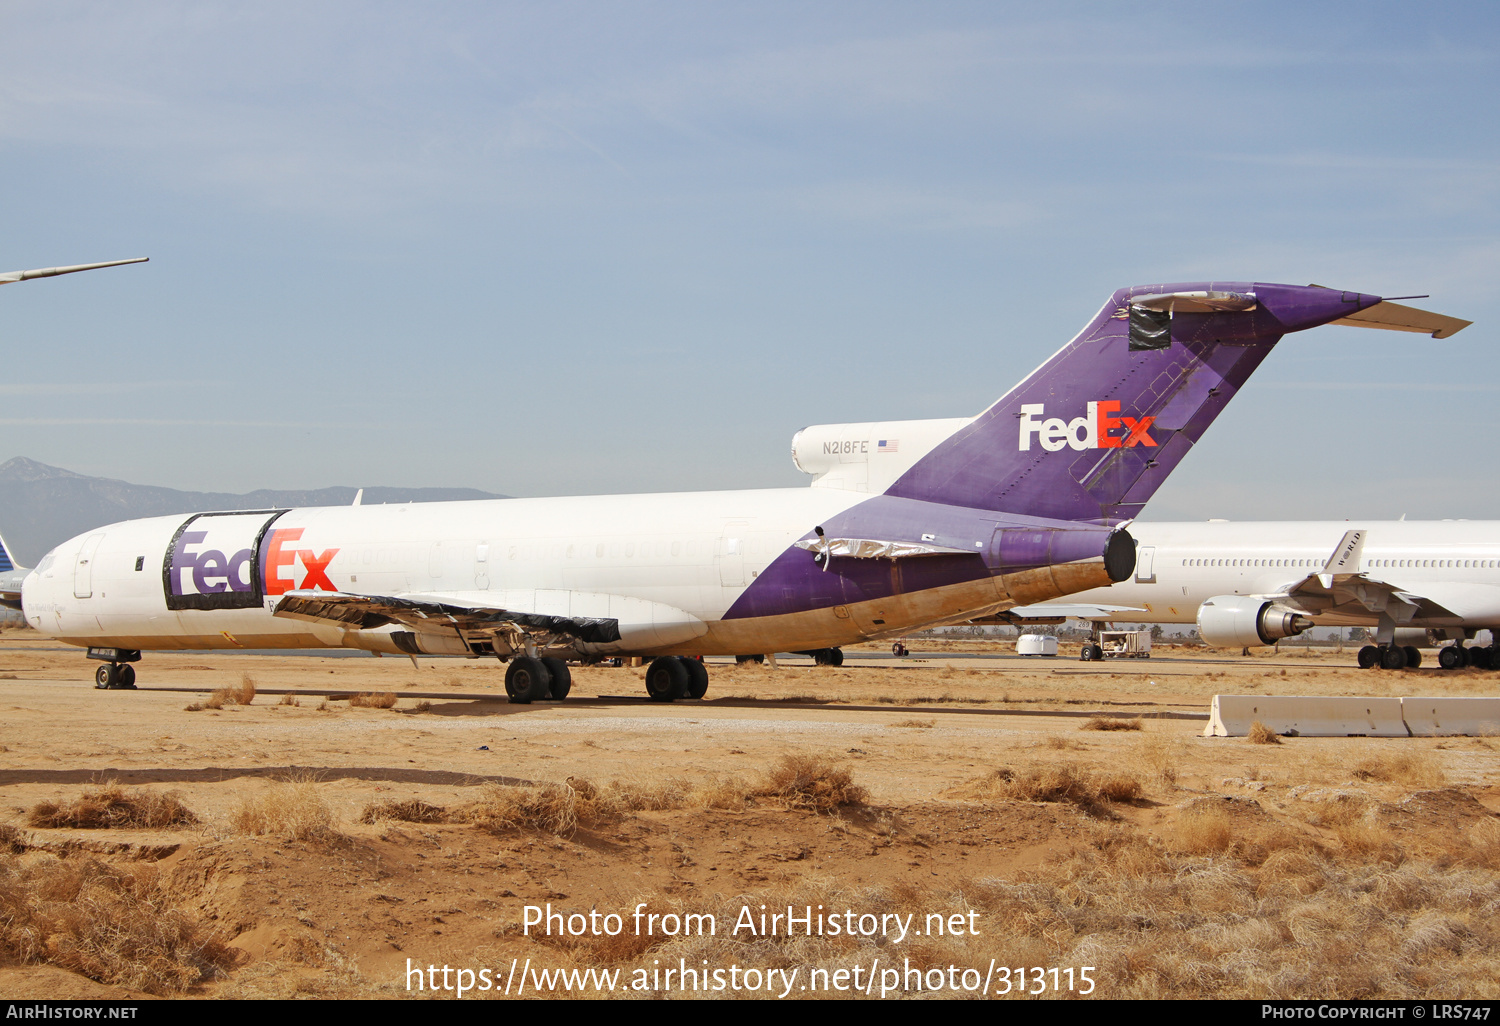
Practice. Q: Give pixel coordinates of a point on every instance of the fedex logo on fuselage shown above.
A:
(276, 556)
(1093, 431)
(210, 571)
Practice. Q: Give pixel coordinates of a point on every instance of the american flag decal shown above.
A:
(888, 445)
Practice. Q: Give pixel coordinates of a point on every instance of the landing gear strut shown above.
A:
(116, 674)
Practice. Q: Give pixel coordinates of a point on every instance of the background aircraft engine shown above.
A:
(1237, 621)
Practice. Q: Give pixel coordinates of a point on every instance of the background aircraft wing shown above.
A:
(367, 612)
(1057, 612)
(6, 277)
(1360, 595)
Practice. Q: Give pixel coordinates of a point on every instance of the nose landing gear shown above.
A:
(116, 674)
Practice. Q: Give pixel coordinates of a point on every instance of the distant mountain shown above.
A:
(41, 506)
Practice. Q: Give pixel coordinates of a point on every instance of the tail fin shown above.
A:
(7, 564)
(1095, 430)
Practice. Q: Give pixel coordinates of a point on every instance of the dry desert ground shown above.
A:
(238, 827)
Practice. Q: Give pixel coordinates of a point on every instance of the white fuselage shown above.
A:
(667, 566)
(1455, 563)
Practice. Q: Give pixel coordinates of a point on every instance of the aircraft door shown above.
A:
(1145, 572)
(83, 571)
(732, 553)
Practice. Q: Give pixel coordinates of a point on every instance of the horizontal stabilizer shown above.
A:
(367, 612)
(1395, 317)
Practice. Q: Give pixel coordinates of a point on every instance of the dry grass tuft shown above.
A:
(293, 809)
(920, 724)
(110, 806)
(289, 699)
(1059, 782)
(422, 707)
(12, 842)
(114, 925)
(1207, 831)
(409, 811)
(244, 692)
(1260, 734)
(1111, 723)
(382, 700)
(1160, 754)
(552, 808)
(1417, 769)
(810, 782)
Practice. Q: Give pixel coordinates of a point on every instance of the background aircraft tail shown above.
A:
(7, 563)
(1095, 430)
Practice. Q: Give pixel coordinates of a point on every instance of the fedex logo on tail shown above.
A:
(1101, 428)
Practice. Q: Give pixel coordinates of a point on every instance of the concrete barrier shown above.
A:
(1438, 717)
(1306, 716)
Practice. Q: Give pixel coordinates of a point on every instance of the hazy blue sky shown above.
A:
(563, 248)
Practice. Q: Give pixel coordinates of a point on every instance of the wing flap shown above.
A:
(367, 612)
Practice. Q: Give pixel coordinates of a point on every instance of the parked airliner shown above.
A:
(1248, 584)
(909, 525)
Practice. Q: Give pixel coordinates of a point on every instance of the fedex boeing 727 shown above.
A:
(908, 525)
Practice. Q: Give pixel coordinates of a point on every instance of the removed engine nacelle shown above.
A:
(1238, 621)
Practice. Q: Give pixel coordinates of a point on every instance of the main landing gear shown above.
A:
(1389, 657)
(537, 679)
(669, 678)
(116, 674)
(1452, 657)
(825, 656)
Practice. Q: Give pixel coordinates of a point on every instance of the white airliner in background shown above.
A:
(908, 525)
(1248, 584)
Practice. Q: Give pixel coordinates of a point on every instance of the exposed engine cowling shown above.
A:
(1238, 621)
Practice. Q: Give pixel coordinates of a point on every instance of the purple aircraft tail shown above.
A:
(1093, 432)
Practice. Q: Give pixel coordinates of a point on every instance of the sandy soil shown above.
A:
(346, 915)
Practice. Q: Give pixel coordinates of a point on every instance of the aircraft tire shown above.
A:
(1413, 657)
(697, 676)
(104, 676)
(1086, 653)
(1451, 658)
(666, 679)
(1368, 657)
(1479, 658)
(741, 660)
(526, 680)
(559, 678)
(125, 678)
(1393, 658)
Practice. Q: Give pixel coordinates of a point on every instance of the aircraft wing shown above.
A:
(8, 277)
(1050, 612)
(366, 612)
(1340, 587)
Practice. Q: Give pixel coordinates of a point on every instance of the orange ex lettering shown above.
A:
(276, 558)
(317, 576)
